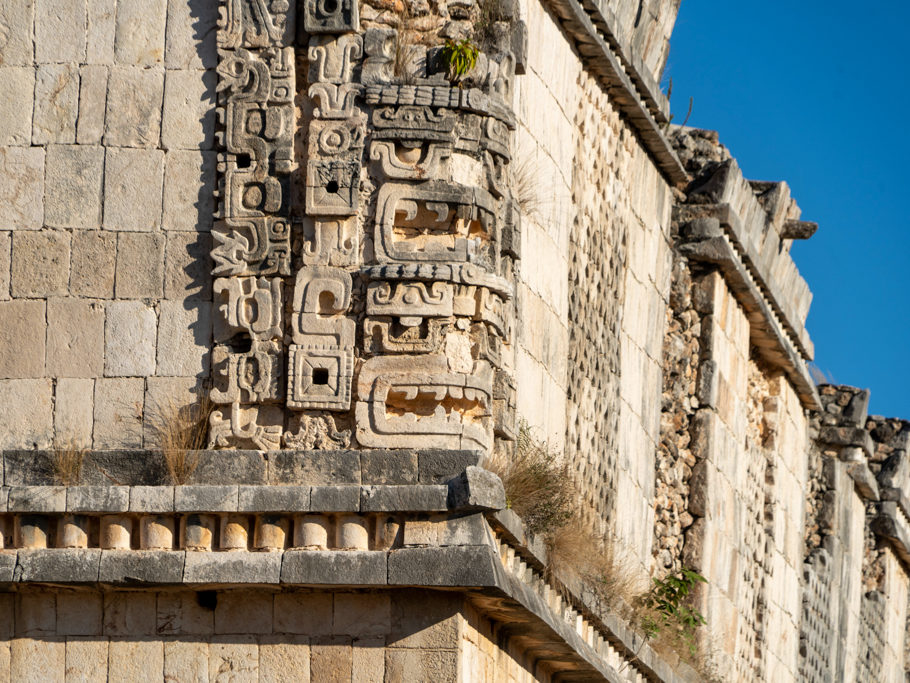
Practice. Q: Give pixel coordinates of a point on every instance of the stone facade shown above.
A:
(378, 269)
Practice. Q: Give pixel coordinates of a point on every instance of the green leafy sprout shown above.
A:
(460, 57)
(667, 602)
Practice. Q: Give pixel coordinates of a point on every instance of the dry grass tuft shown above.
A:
(526, 181)
(67, 463)
(405, 49)
(180, 430)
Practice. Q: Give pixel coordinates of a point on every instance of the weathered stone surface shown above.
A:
(97, 498)
(92, 264)
(26, 411)
(92, 104)
(189, 186)
(37, 499)
(140, 265)
(73, 412)
(186, 661)
(21, 187)
(141, 566)
(362, 614)
(427, 498)
(447, 566)
(18, 86)
(152, 498)
(233, 567)
(248, 612)
(73, 176)
(59, 34)
(316, 468)
(79, 614)
(56, 104)
(86, 660)
(130, 335)
(76, 341)
(17, 19)
(7, 566)
(129, 613)
(190, 39)
(132, 658)
(118, 413)
(274, 499)
(438, 467)
(70, 565)
(185, 335)
(188, 266)
(235, 467)
(461, 530)
(424, 665)
(40, 263)
(200, 498)
(388, 467)
(303, 613)
(189, 110)
(36, 613)
(132, 189)
(6, 247)
(284, 659)
(134, 97)
(334, 567)
(368, 661)
(21, 320)
(101, 22)
(37, 660)
(140, 31)
(234, 657)
(331, 659)
(477, 489)
(335, 498)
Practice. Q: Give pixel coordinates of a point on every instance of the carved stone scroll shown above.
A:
(331, 16)
(247, 376)
(248, 306)
(253, 427)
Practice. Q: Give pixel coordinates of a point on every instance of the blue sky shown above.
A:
(818, 94)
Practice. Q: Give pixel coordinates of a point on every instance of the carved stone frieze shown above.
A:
(252, 246)
(252, 427)
(255, 23)
(252, 376)
(410, 161)
(331, 16)
(315, 433)
(330, 242)
(334, 101)
(410, 299)
(390, 335)
(249, 306)
(334, 59)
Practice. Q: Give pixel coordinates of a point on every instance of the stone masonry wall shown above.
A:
(106, 191)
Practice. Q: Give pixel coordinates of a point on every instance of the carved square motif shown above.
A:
(333, 187)
(331, 16)
(320, 377)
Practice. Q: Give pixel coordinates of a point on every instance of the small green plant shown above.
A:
(667, 611)
(460, 57)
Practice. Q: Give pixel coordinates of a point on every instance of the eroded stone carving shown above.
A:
(255, 427)
(391, 335)
(335, 101)
(255, 23)
(251, 376)
(331, 16)
(410, 300)
(330, 242)
(316, 432)
(414, 161)
(333, 59)
(248, 306)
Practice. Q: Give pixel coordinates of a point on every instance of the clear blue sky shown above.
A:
(818, 94)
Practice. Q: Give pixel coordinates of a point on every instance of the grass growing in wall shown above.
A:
(180, 431)
(405, 49)
(67, 461)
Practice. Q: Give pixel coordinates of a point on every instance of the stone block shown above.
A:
(462, 530)
(421, 665)
(75, 338)
(56, 104)
(476, 489)
(92, 104)
(163, 397)
(334, 567)
(37, 499)
(303, 613)
(190, 39)
(389, 467)
(132, 189)
(189, 110)
(443, 566)
(18, 88)
(140, 265)
(21, 185)
(141, 566)
(97, 498)
(236, 467)
(274, 499)
(186, 661)
(73, 409)
(131, 659)
(243, 612)
(139, 37)
(6, 247)
(73, 176)
(126, 467)
(17, 19)
(368, 662)
(284, 660)
(79, 614)
(59, 565)
(36, 613)
(86, 660)
(362, 614)
(129, 614)
(232, 567)
(130, 332)
(439, 466)
(20, 321)
(40, 264)
(26, 413)
(335, 498)
(37, 660)
(189, 185)
(7, 566)
(234, 658)
(151, 499)
(331, 659)
(184, 613)
(425, 498)
(197, 498)
(92, 262)
(314, 467)
(188, 266)
(101, 21)
(425, 619)
(118, 413)
(59, 34)
(134, 100)
(186, 338)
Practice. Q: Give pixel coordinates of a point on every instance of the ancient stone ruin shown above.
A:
(287, 289)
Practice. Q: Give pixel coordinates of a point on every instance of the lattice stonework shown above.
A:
(364, 255)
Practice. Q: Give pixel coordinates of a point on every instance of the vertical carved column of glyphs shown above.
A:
(251, 238)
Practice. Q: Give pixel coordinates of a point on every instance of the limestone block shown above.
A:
(152, 566)
(234, 567)
(187, 662)
(421, 665)
(243, 612)
(303, 613)
(189, 186)
(26, 413)
(36, 613)
(186, 337)
(140, 265)
(134, 97)
(18, 87)
(92, 101)
(101, 23)
(331, 659)
(152, 499)
(75, 338)
(181, 613)
(16, 21)
(86, 660)
(6, 244)
(424, 619)
(161, 395)
(118, 413)
(335, 567)
(37, 660)
(233, 658)
(284, 659)
(97, 498)
(79, 614)
(130, 339)
(129, 614)
(132, 189)
(362, 614)
(190, 39)
(21, 321)
(59, 34)
(40, 264)
(73, 408)
(56, 104)
(133, 659)
(139, 37)
(189, 110)
(92, 263)
(21, 185)
(368, 662)
(73, 186)
(187, 266)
